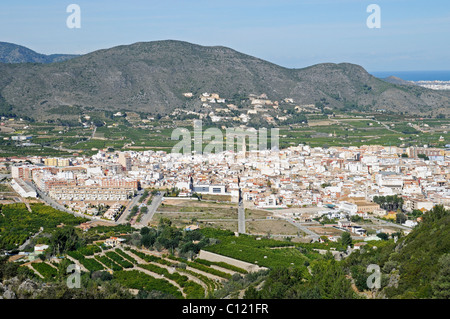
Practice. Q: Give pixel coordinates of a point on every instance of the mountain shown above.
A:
(13, 53)
(152, 77)
(396, 80)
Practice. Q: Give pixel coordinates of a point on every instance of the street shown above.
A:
(156, 201)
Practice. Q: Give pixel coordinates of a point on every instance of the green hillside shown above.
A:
(417, 266)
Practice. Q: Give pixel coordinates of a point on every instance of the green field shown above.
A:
(119, 134)
(17, 223)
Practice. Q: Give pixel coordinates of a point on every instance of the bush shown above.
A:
(137, 280)
(47, 271)
(108, 263)
(125, 255)
(89, 250)
(118, 259)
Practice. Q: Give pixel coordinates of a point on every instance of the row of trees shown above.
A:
(170, 237)
(389, 202)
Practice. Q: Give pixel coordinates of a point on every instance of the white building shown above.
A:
(349, 208)
(22, 188)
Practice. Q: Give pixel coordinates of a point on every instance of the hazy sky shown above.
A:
(414, 35)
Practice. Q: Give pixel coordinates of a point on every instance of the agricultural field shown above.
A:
(222, 215)
(271, 226)
(377, 129)
(66, 138)
(270, 253)
(139, 269)
(17, 224)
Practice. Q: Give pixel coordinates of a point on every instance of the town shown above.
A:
(319, 192)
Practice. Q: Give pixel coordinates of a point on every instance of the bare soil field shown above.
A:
(274, 226)
(256, 213)
(326, 231)
(320, 122)
(195, 203)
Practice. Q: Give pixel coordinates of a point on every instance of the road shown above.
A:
(50, 202)
(156, 201)
(241, 218)
(303, 229)
(386, 223)
(25, 244)
(135, 201)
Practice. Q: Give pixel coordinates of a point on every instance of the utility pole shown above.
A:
(241, 211)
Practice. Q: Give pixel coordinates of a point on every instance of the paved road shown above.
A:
(49, 201)
(156, 201)
(135, 201)
(303, 229)
(386, 223)
(241, 218)
(25, 244)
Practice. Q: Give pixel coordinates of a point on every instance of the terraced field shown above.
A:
(148, 270)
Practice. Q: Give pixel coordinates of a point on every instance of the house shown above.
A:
(370, 238)
(84, 226)
(410, 223)
(344, 224)
(391, 215)
(358, 230)
(114, 241)
(40, 248)
(358, 246)
(349, 208)
(191, 227)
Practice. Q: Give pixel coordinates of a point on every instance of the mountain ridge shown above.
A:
(14, 53)
(151, 77)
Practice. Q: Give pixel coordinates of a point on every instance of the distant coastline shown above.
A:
(415, 75)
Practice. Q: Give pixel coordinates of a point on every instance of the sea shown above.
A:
(415, 75)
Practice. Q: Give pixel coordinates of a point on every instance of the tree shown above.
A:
(144, 231)
(383, 236)
(251, 293)
(436, 213)
(64, 240)
(441, 285)
(147, 240)
(400, 218)
(346, 239)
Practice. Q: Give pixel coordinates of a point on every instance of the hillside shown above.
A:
(396, 80)
(151, 77)
(13, 53)
(417, 266)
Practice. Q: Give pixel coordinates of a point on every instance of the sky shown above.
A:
(413, 35)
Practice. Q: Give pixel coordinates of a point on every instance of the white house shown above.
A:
(349, 208)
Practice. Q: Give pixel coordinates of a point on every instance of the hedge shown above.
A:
(125, 255)
(89, 250)
(221, 264)
(89, 263)
(203, 268)
(118, 259)
(47, 271)
(108, 263)
(137, 280)
(190, 288)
